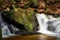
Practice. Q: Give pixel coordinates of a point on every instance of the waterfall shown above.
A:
(43, 25)
(4, 27)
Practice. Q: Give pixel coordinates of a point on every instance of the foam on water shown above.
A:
(5, 30)
(43, 26)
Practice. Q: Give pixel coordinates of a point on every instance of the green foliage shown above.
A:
(35, 2)
(32, 3)
(1, 2)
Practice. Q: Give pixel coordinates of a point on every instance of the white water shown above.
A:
(5, 31)
(43, 25)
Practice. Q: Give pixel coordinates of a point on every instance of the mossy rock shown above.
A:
(23, 17)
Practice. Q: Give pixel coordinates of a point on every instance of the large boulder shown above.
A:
(26, 17)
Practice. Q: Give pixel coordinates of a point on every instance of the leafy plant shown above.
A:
(32, 3)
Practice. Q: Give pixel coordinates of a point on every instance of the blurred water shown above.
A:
(53, 24)
(5, 30)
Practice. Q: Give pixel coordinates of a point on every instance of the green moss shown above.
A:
(23, 17)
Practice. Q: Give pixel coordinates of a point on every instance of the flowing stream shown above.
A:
(5, 30)
(43, 25)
